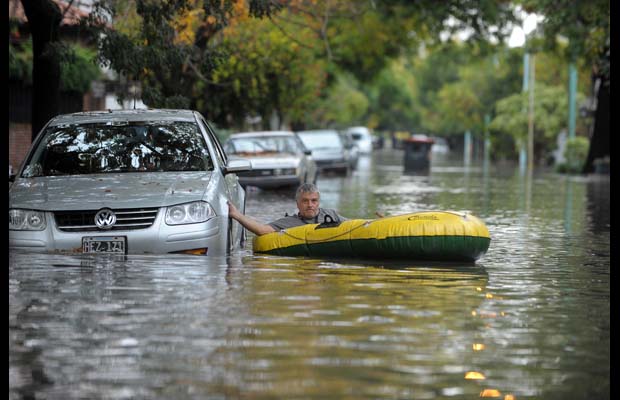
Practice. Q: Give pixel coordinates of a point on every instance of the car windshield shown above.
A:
(81, 149)
(264, 144)
(321, 140)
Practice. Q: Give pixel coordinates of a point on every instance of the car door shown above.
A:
(308, 161)
(234, 190)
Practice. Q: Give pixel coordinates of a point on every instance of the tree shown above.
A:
(44, 19)
(172, 47)
(586, 25)
(550, 116)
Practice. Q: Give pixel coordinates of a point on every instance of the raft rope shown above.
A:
(364, 224)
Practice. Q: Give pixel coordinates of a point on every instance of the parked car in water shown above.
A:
(362, 137)
(352, 151)
(279, 159)
(328, 149)
(126, 182)
(440, 145)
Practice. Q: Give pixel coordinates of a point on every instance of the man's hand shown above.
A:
(232, 210)
(249, 223)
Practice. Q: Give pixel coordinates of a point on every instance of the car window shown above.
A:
(264, 144)
(127, 147)
(321, 140)
(219, 151)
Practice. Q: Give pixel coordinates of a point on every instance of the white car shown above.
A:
(440, 145)
(126, 182)
(279, 159)
(362, 137)
(328, 150)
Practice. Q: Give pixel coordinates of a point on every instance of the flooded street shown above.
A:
(531, 319)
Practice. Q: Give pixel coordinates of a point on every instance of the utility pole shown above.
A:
(530, 120)
(467, 148)
(487, 141)
(526, 77)
(572, 92)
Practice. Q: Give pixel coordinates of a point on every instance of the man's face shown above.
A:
(308, 205)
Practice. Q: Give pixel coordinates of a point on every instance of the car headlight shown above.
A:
(189, 213)
(26, 220)
(288, 171)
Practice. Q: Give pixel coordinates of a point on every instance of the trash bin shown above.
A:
(417, 153)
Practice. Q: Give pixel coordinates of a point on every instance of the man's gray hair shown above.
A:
(306, 188)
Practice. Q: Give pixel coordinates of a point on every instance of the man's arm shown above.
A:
(249, 223)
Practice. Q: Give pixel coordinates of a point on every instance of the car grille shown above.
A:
(128, 219)
(267, 172)
(257, 172)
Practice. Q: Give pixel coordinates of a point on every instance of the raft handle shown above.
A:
(328, 222)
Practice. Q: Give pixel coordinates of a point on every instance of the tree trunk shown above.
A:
(44, 18)
(599, 142)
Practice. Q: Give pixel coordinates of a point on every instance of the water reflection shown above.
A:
(598, 198)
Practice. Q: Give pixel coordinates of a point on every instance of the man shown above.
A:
(307, 198)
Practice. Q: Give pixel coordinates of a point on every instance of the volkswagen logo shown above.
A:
(105, 218)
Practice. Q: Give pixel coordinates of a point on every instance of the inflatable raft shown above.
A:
(427, 235)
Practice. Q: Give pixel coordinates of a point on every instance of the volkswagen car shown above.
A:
(127, 182)
(279, 159)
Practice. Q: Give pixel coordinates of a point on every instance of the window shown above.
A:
(100, 148)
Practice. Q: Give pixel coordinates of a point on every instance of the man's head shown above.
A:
(308, 199)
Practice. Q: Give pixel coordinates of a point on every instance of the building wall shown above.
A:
(20, 130)
(19, 143)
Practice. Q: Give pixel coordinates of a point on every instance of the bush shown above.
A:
(575, 155)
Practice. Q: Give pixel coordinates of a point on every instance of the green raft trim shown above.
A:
(424, 248)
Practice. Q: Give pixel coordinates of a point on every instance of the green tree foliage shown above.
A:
(586, 26)
(575, 155)
(263, 73)
(168, 46)
(180, 49)
(550, 117)
(459, 84)
(20, 62)
(394, 100)
(78, 69)
(344, 104)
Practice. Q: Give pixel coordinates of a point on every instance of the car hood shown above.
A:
(92, 192)
(274, 161)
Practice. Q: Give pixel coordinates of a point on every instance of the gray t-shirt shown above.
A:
(296, 220)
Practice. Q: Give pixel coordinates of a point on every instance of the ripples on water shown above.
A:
(530, 319)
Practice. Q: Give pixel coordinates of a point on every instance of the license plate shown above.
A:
(104, 244)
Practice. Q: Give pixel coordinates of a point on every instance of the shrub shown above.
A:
(575, 155)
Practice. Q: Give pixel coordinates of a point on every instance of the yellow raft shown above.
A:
(426, 235)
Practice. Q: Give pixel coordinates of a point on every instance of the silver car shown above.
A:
(126, 182)
(279, 159)
(328, 149)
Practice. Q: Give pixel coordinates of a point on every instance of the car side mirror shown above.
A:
(12, 178)
(237, 165)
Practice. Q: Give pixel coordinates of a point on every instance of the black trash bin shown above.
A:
(417, 153)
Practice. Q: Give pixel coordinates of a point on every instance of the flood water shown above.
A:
(529, 320)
